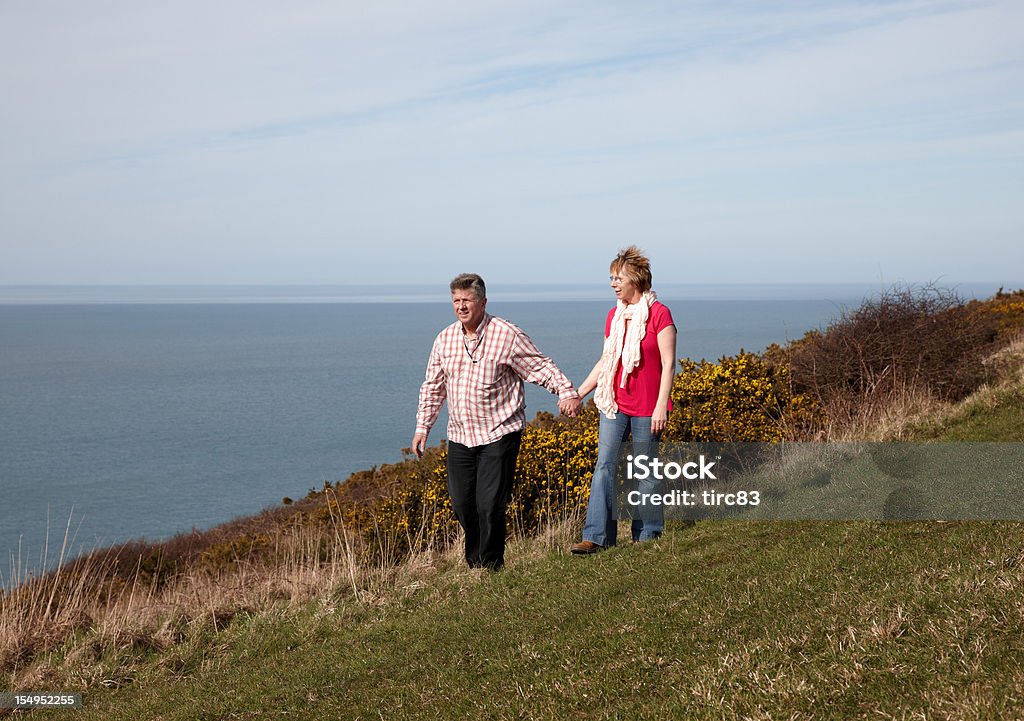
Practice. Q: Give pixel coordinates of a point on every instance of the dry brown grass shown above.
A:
(66, 626)
(904, 355)
(880, 416)
(69, 611)
(901, 412)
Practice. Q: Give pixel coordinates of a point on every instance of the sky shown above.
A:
(404, 142)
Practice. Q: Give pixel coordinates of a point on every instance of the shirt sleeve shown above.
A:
(662, 317)
(432, 392)
(534, 367)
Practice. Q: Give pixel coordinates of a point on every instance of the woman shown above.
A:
(633, 379)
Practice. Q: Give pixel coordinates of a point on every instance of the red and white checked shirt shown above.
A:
(484, 385)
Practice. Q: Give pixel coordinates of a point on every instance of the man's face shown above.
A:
(468, 308)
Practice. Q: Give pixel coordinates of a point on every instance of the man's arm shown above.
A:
(534, 367)
(432, 395)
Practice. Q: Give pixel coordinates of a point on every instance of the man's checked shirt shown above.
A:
(484, 382)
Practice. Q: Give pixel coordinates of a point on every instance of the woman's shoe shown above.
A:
(585, 548)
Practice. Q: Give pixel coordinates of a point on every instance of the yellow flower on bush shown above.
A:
(739, 399)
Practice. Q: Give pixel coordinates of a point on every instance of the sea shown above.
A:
(144, 412)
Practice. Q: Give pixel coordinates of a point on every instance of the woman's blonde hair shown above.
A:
(632, 263)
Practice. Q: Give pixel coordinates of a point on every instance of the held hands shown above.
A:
(569, 406)
(419, 444)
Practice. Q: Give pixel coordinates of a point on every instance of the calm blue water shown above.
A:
(145, 420)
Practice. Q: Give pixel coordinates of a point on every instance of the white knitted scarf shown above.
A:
(622, 344)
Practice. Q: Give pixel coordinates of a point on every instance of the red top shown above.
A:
(640, 395)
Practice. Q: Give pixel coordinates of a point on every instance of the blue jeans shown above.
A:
(602, 513)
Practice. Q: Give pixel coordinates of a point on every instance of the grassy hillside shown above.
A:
(346, 604)
(723, 620)
(726, 620)
(995, 416)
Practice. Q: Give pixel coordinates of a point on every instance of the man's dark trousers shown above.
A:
(480, 485)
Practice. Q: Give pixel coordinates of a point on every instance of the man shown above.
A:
(479, 364)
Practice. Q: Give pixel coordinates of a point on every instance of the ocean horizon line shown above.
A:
(199, 294)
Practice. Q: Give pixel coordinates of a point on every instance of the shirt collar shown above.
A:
(480, 328)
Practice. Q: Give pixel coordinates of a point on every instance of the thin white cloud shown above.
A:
(259, 141)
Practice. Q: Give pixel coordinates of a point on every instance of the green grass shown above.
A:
(1004, 422)
(725, 620)
(997, 415)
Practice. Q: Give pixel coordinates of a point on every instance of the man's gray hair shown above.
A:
(470, 281)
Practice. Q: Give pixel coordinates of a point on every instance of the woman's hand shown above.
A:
(659, 420)
(569, 406)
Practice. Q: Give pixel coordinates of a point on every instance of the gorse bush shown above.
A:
(556, 461)
(1005, 310)
(417, 514)
(739, 399)
(398, 508)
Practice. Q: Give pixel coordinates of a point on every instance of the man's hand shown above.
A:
(569, 406)
(419, 444)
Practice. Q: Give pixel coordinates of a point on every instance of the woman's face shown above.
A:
(625, 289)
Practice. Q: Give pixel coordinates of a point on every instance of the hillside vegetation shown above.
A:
(348, 604)
(724, 620)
